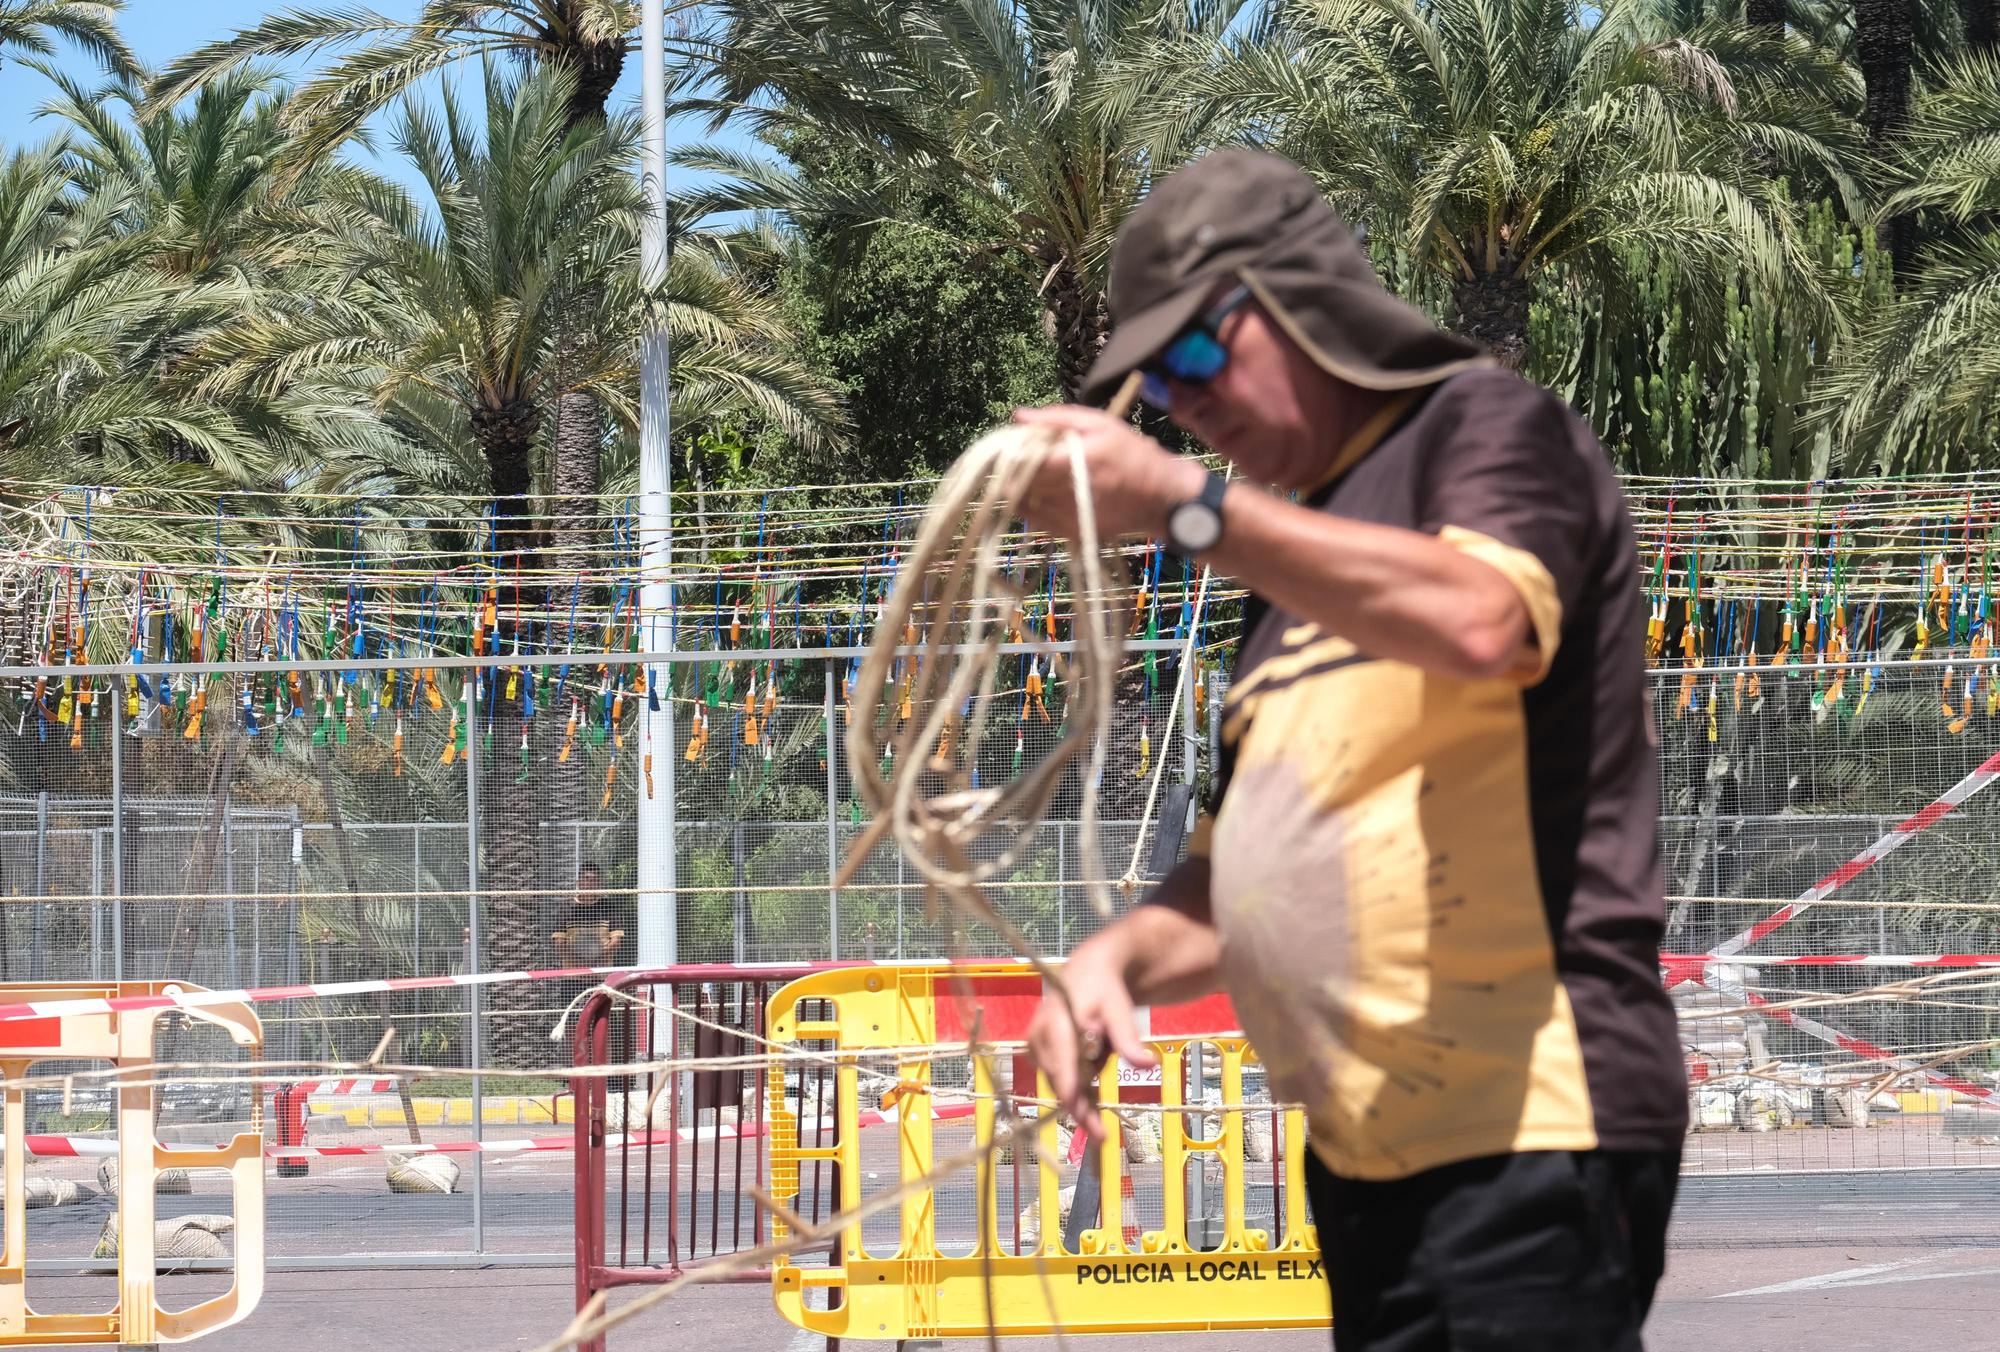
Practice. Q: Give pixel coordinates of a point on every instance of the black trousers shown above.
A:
(1544, 1251)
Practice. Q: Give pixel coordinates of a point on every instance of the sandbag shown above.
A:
(423, 1173)
(621, 1108)
(1763, 1110)
(42, 1191)
(180, 1237)
(1142, 1139)
(1031, 1229)
(1847, 1108)
(166, 1182)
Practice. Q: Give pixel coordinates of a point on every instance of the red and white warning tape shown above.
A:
(1856, 1046)
(48, 1147)
(1690, 968)
(1844, 959)
(117, 1004)
(338, 1086)
(1701, 967)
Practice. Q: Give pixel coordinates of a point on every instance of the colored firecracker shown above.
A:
(569, 734)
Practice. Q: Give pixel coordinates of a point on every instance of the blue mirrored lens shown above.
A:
(1196, 356)
(1154, 391)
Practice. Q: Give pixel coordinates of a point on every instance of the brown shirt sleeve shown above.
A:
(1500, 481)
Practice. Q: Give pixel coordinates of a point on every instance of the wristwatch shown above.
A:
(1195, 526)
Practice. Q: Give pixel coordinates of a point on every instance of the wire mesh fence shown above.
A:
(247, 827)
(388, 822)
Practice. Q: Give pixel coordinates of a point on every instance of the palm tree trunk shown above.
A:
(1079, 321)
(577, 470)
(510, 810)
(1764, 13)
(1982, 23)
(579, 451)
(1884, 43)
(515, 913)
(1492, 309)
(579, 414)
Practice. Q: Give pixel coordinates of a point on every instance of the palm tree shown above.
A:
(204, 213)
(986, 93)
(458, 309)
(1497, 147)
(1922, 387)
(76, 306)
(1885, 50)
(382, 60)
(32, 25)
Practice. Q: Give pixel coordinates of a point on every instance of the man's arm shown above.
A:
(1397, 594)
(1160, 952)
(1403, 595)
(1171, 950)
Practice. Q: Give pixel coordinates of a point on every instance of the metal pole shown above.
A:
(257, 907)
(291, 1039)
(1197, 1212)
(1190, 734)
(97, 908)
(117, 841)
(41, 884)
(473, 1002)
(1062, 890)
(417, 900)
(832, 827)
(229, 891)
(736, 876)
(659, 925)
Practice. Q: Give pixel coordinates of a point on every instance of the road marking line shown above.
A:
(1824, 1279)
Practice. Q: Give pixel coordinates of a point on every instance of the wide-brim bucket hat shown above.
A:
(1249, 216)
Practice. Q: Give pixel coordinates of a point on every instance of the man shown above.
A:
(1430, 878)
(587, 939)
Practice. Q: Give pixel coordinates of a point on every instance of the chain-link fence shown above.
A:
(1834, 1099)
(233, 827)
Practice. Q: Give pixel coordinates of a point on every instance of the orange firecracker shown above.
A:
(569, 736)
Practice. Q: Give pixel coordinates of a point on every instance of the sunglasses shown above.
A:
(1194, 356)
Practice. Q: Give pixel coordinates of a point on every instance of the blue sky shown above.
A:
(159, 30)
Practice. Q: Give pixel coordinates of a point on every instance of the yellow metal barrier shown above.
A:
(915, 1289)
(124, 1039)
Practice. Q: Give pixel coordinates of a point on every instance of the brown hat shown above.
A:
(1245, 214)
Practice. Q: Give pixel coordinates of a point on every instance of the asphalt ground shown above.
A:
(1713, 1300)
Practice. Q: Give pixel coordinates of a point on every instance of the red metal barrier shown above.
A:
(662, 1162)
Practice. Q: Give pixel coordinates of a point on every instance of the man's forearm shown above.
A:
(1170, 946)
(1394, 593)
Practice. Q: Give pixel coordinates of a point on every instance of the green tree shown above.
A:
(994, 97)
(1496, 145)
(931, 342)
(1740, 406)
(1921, 386)
(456, 308)
(381, 60)
(32, 26)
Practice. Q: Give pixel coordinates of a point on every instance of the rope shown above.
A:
(934, 810)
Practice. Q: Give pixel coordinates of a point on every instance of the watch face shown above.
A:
(1194, 527)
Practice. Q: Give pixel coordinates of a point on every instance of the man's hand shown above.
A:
(1134, 481)
(1072, 1051)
